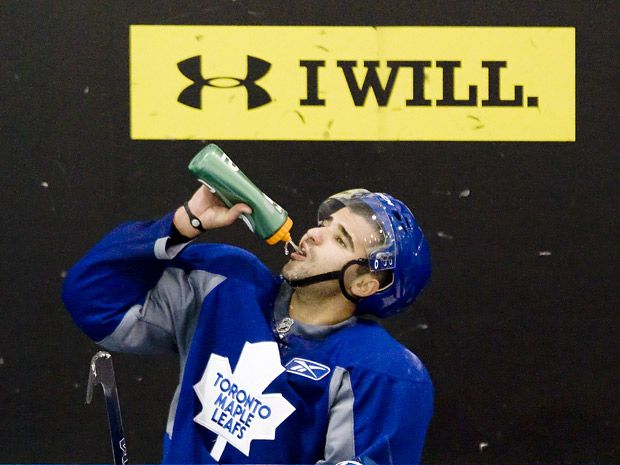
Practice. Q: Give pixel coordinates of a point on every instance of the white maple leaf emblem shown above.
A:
(233, 404)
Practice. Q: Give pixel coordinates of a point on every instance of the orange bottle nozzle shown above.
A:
(283, 234)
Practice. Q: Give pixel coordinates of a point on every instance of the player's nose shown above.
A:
(315, 235)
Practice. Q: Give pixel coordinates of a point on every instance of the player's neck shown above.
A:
(309, 308)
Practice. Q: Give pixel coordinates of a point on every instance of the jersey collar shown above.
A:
(280, 311)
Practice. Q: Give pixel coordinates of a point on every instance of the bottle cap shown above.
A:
(281, 234)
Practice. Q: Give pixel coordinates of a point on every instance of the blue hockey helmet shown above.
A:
(397, 246)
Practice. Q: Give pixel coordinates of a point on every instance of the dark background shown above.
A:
(522, 346)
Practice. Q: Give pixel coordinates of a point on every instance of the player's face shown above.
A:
(328, 247)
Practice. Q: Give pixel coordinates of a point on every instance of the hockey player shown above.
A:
(274, 369)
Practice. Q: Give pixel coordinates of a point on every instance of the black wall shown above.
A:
(522, 346)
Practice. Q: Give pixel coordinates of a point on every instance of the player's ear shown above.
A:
(364, 285)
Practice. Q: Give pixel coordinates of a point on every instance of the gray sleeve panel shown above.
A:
(163, 252)
(136, 336)
(340, 440)
(166, 321)
(173, 410)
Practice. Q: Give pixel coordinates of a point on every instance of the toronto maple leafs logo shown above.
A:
(233, 404)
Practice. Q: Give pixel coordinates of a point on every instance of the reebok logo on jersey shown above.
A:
(307, 368)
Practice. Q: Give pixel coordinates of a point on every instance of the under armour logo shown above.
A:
(191, 69)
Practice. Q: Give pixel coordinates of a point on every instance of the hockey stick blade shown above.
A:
(102, 372)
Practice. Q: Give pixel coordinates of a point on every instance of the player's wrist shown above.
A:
(182, 223)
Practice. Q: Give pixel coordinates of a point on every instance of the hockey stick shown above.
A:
(102, 372)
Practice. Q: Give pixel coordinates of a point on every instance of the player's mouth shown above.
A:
(300, 256)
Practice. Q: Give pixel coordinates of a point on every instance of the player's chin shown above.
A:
(292, 269)
(286, 269)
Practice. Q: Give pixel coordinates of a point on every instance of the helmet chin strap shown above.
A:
(339, 275)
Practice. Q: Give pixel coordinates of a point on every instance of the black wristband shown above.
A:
(193, 219)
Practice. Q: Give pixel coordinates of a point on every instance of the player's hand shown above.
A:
(211, 212)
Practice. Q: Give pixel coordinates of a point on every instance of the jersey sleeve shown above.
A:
(125, 295)
(378, 419)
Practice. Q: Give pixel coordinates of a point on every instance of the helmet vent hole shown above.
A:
(397, 216)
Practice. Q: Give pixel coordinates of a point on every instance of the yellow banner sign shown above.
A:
(352, 83)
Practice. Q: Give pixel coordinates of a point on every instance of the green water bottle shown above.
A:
(223, 178)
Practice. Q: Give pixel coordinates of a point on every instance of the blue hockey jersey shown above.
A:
(254, 386)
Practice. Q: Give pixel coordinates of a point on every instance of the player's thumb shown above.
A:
(236, 210)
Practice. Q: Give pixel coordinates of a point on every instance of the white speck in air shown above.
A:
(86, 90)
(45, 184)
(544, 253)
(483, 445)
(444, 235)
(464, 193)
